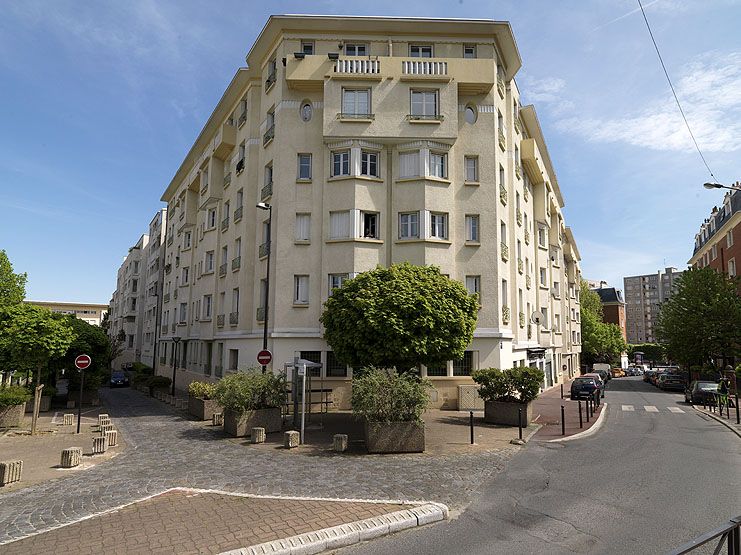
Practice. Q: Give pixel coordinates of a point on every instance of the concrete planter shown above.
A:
(240, 424)
(11, 416)
(506, 412)
(45, 405)
(202, 409)
(396, 437)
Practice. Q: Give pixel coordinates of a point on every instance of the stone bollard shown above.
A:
(100, 445)
(105, 428)
(339, 442)
(68, 419)
(291, 439)
(70, 404)
(72, 456)
(218, 419)
(10, 471)
(257, 435)
(102, 417)
(106, 422)
(112, 437)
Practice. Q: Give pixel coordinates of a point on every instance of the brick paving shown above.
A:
(182, 521)
(547, 410)
(165, 450)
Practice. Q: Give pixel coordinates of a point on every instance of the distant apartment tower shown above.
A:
(153, 269)
(718, 243)
(89, 312)
(643, 297)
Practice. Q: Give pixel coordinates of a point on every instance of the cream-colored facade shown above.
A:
(375, 141)
(89, 312)
(152, 259)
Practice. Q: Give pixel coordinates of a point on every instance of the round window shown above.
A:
(306, 111)
(470, 114)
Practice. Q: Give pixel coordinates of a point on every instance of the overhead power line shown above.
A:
(679, 105)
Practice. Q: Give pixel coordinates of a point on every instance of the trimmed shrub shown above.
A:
(516, 385)
(11, 395)
(250, 390)
(202, 390)
(158, 381)
(387, 396)
(141, 368)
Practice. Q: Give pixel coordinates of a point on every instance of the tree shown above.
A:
(601, 342)
(29, 337)
(12, 285)
(400, 316)
(651, 351)
(701, 320)
(89, 340)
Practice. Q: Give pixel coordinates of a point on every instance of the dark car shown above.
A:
(119, 379)
(604, 374)
(674, 382)
(648, 375)
(601, 384)
(700, 392)
(584, 387)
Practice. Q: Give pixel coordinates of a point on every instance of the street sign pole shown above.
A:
(302, 371)
(81, 362)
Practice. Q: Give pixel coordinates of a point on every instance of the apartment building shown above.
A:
(718, 243)
(613, 306)
(89, 312)
(374, 141)
(152, 259)
(643, 297)
(127, 305)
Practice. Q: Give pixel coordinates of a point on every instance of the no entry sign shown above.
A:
(264, 357)
(83, 361)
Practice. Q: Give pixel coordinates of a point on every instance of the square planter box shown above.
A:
(11, 416)
(241, 424)
(505, 412)
(202, 409)
(45, 404)
(396, 437)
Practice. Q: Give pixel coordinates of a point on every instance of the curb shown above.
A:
(348, 534)
(718, 419)
(586, 433)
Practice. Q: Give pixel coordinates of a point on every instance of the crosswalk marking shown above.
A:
(650, 408)
(628, 408)
(676, 410)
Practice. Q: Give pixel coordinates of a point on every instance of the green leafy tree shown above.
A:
(651, 351)
(700, 322)
(30, 336)
(89, 340)
(601, 342)
(399, 317)
(12, 285)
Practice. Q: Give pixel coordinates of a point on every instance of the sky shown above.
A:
(101, 101)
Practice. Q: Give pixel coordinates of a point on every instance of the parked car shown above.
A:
(119, 379)
(600, 382)
(634, 371)
(648, 375)
(604, 374)
(617, 373)
(584, 386)
(675, 382)
(700, 392)
(655, 377)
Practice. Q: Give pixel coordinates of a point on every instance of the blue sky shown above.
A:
(100, 102)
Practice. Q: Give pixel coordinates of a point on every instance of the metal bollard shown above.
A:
(519, 422)
(581, 422)
(470, 416)
(738, 421)
(563, 422)
(587, 409)
(561, 391)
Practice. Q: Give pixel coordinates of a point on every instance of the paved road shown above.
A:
(649, 480)
(164, 450)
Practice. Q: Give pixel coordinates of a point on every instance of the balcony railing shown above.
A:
(269, 81)
(352, 116)
(260, 314)
(425, 117)
(505, 315)
(166, 297)
(518, 127)
(518, 216)
(502, 194)
(522, 319)
(225, 224)
(222, 269)
(236, 263)
(528, 281)
(505, 251)
(238, 214)
(264, 249)
(242, 119)
(169, 240)
(529, 331)
(267, 191)
(518, 171)
(526, 194)
(520, 265)
(220, 320)
(502, 140)
(175, 294)
(233, 318)
(172, 327)
(227, 179)
(357, 66)
(424, 67)
(500, 85)
(527, 237)
(269, 135)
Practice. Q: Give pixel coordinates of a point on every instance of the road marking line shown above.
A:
(676, 410)
(628, 408)
(650, 408)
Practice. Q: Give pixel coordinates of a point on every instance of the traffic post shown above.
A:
(264, 357)
(81, 362)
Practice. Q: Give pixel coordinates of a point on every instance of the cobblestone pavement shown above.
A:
(195, 522)
(164, 450)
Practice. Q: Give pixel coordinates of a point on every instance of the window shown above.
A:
(557, 323)
(542, 236)
(268, 173)
(729, 239)
(356, 102)
(473, 285)
(312, 356)
(714, 252)
(472, 228)
(505, 293)
(239, 168)
(470, 115)
(340, 163)
(420, 50)
(463, 366)
(306, 112)
(211, 218)
(207, 304)
(185, 275)
(436, 370)
(204, 179)
(503, 233)
(224, 255)
(471, 164)
(233, 359)
(409, 164)
(543, 277)
(186, 240)
(235, 299)
(336, 281)
(369, 163)
(355, 49)
(183, 313)
(438, 225)
(469, 50)
(335, 369)
(501, 177)
(303, 227)
(227, 210)
(439, 165)
(731, 267)
(307, 46)
(238, 204)
(409, 225)
(557, 289)
(544, 312)
(238, 246)
(424, 104)
(209, 261)
(300, 289)
(304, 167)
(370, 225)
(339, 225)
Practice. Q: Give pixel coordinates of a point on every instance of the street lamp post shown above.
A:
(719, 186)
(269, 208)
(175, 340)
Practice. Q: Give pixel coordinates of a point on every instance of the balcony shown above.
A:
(518, 216)
(260, 314)
(502, 140)
(209, 195)
(434, 118)
(225, 140)
(236, 263)
(357, 66)
(347, 116)
(529, 331)
(168, 268)
(269, 81)
(225, 224)
(240, 166)
(425, 68)
(500, 86)
(242, 119)
(505, 315)
(220, 320)
(505, 251)
(528, 282)
(227, 179)
(267, 191)
(264, 249)
(268, 136)
(520, 266)
(503, 194)
(189, 210)
(222, 270)
(527, 237)
(238, 214)
(526, 193)
(517, 124)
(175, 294)
(233, 318)
(518, 171)
(166, 297)
(532, 160)
(169, 240)
(522, 319)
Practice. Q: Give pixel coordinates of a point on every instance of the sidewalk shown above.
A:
(547, 413)
(730, 423)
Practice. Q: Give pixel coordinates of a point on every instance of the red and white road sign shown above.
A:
(264, 357)
(83, 361)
